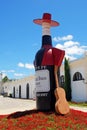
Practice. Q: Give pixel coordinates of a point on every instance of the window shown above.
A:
(77, 76)
(61, 81)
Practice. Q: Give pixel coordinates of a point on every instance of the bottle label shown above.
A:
(42, 81)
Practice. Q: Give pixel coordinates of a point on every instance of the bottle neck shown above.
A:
(46, 40)
(45, 28)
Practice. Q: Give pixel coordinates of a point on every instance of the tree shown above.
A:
(5, 79)
(67, 84)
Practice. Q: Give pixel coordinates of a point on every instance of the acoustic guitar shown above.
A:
(61, 105)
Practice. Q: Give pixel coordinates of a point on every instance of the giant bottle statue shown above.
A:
(45, 60)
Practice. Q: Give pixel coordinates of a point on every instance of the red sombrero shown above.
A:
(46, 18)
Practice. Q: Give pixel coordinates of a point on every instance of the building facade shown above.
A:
(25, 88)
(21, 88)
(78, 72)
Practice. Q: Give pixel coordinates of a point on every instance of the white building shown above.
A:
(0, 83)
(21, 88)
(25, 88)
(78, 71)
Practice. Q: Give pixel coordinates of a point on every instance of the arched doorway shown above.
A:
(19, 91)
(13, 92)
(27, 91)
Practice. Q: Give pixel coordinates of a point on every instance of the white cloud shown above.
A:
(29, 66)
(20, 64)
(26, 65)
(11, 71)
(6, 71)
(70, 43)
(64, 38)
(84, 47)
(18, 74)
(60, 46)
(70, 57)
(73, 49)
(3, 71)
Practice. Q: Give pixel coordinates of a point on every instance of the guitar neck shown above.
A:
(56, 76)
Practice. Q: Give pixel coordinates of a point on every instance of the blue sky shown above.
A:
(20, 38)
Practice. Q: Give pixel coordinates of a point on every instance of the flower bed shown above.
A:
(36, 120)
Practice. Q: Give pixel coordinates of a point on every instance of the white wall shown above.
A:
(8, 87)
(79, 91)
(79, 88)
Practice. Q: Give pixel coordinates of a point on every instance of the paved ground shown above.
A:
(10, 105)
(84, 109)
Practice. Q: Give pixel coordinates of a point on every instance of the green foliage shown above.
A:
(78, 104)
(67, 85)
(5, 79)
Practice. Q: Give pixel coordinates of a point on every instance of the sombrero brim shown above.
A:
(40, 21)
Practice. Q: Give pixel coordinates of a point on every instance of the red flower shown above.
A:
(36, 120)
